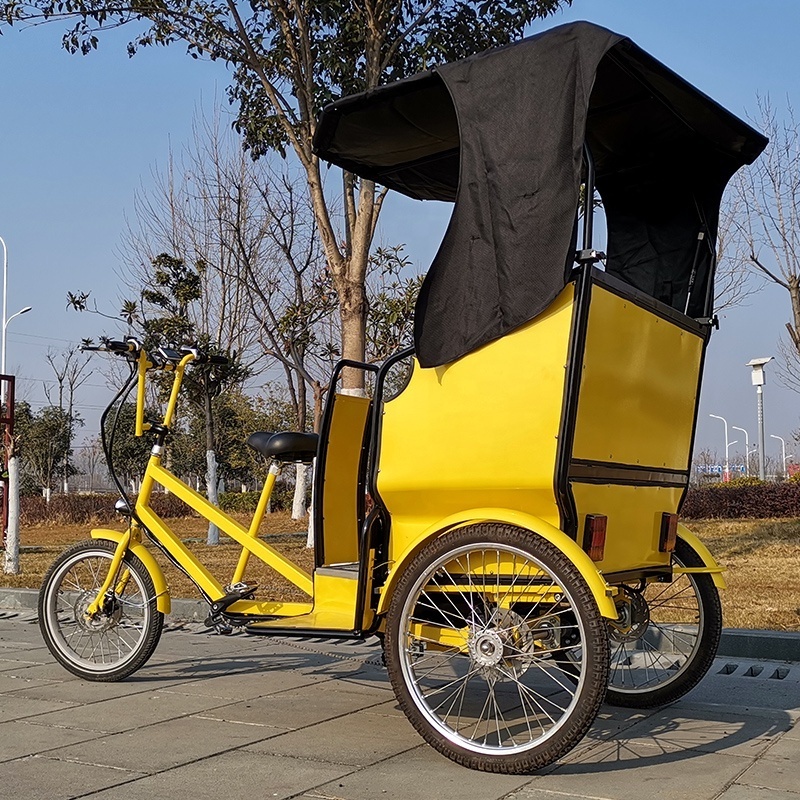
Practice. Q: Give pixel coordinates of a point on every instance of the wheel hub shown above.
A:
(633, 616)
(486, 649)
(108, 616)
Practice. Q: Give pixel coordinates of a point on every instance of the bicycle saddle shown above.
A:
(285, 446)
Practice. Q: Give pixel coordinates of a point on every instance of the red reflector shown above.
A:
(594, 536)
(669, 533)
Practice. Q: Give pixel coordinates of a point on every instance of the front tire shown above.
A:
(120, 638)
(475, 637)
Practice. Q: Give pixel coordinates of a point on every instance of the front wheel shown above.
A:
(120, 638)
(668, 637)
(475, 637)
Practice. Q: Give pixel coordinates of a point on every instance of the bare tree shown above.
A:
(769, 193)
(71, 371)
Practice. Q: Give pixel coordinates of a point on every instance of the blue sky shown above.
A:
(78, 135)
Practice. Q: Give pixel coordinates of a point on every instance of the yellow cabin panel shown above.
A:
(481, 431)
(634, 521)
(639, 386)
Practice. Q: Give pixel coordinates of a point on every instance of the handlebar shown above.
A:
(131, 348)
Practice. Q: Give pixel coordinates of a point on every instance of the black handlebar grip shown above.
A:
(221, 360)
(120, 347)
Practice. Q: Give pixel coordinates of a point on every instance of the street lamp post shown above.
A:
(727, 476)
(746, 450)
(3, 349)
(759, 379)
(783, 451)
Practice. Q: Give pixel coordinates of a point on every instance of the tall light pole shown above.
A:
(3, 349)
(5, 300)
(783, 451)
(726, 477)
(759, 379)
(746, 449)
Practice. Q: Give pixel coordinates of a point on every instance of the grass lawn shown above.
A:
(762, 556)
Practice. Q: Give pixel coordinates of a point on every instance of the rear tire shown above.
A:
(679, 644)
(480, 675)
(121, 637)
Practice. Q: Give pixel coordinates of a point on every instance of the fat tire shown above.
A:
(702, 656)
(49, 625)
(596, 648)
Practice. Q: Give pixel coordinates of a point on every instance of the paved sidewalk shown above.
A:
(240, 716)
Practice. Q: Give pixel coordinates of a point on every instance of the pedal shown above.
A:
(234, 592)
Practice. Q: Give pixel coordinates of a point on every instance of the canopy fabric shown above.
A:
(502, 134)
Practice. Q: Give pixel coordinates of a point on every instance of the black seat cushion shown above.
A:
(285, 446)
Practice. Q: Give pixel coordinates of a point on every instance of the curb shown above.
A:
(183, 610)
(734, 642)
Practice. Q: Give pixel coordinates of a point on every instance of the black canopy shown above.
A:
(502, 133)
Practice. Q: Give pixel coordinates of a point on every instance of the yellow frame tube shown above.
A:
(261, 508)
(156, 473)
(143, 365)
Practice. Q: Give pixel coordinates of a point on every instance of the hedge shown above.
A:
(98, 509)
(740, 499)
(89, 509)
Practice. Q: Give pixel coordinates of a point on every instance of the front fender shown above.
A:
(599, 588)
(163, 602)
(714, 569)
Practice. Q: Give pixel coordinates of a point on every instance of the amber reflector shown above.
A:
(669, 533)
(594, 536)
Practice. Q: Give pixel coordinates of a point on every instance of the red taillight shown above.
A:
(669, 533)
(594, 536)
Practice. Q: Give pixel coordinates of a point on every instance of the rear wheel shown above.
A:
(475, 637)
(668, 636)
(116, 641)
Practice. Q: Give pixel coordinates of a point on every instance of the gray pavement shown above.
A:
(240, 716)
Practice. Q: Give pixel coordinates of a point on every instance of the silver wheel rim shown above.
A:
(508, 688)
(670, 644)
(115, 637)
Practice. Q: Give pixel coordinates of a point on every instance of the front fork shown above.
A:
(114, 577)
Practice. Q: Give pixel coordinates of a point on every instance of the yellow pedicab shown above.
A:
(505, 518)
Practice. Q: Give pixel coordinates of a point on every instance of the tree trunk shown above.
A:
(300, 488)
(11, 565)
(212, 483)
(213, 497)
(310, 537)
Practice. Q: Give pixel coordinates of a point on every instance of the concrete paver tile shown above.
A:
(11, 681)
(739, 792)
(165, 744)
(121, 714)
(246, 685)
(236, 774)
(631, 770)
(20, 738)
(15, 707)
(420, 774)
(41, 778)
(772, 774)
(674, 729)
(358, 739)
(786, 748)
(300, 707)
